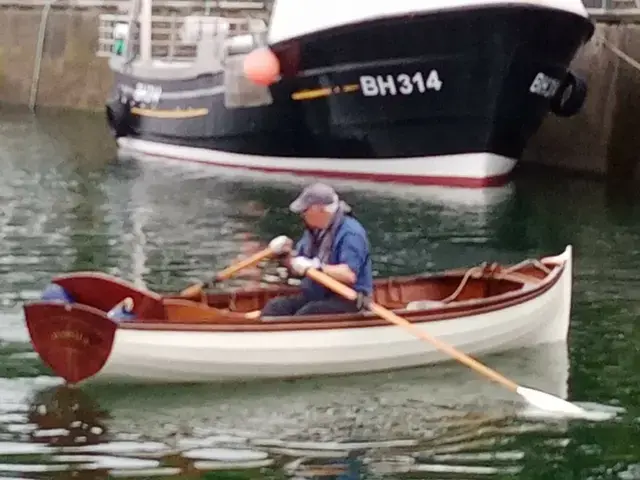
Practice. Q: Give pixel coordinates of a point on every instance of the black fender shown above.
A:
(570, 97)
(119, 117)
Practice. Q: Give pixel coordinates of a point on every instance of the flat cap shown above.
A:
(314, 194)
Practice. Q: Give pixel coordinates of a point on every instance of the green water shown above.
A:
(65, 207)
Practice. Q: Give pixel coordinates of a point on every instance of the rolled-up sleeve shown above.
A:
(353, 252)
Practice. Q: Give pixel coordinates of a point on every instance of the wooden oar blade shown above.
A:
(551, 403)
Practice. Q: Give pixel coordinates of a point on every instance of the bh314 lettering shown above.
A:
(400, 84)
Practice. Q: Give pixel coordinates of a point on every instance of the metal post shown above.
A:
(172, 40)
(145, 20)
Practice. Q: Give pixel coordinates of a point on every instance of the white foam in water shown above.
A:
(479, 456)
(52, 432)
(213, 465)
(189, 442)
(121, 463)
(631, 473)
(32, 468)
(13, 408)
(120, 447)
(92, 462)
(225, 454)
(296, 452)
(15, 448)
(126, 437)
(146, 472)
(15, 392)
(334, 445)
(73, 458)
(22, 428)
(13, 418)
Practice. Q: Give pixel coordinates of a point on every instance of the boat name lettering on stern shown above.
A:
(146, 93)
(544, 85)
(401, 84)
(70, 335)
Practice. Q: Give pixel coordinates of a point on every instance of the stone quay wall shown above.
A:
(70, 74)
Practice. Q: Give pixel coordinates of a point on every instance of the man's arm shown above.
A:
(351, 256)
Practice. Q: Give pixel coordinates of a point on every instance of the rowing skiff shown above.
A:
(79, 330)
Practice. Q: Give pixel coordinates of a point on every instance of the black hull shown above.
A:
(486, 60)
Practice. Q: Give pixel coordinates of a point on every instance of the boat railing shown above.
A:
(176, 33)
(613, 10)
(598, 9)
(194, 6)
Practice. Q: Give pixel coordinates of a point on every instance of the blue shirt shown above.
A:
(351, 247)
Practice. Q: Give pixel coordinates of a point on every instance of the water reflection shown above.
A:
(437, 420)
(195, 222)
(165, 226)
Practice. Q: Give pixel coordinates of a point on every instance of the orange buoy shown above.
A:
(262, 66)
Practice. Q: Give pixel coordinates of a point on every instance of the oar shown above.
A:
(228, 272)
(541, 400)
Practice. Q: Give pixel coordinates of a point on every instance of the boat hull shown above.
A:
(152, 352)
(444, 98)
(474, 170)
(188, 356)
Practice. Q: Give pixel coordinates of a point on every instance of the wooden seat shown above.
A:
(187, 311)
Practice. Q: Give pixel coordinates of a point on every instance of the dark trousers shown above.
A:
(298, 305)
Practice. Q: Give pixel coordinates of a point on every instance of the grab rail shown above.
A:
(123, 5)
(626, 7)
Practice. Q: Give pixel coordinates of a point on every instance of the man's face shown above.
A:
(316, 217)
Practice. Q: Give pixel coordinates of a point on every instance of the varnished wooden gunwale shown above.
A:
(365, 319)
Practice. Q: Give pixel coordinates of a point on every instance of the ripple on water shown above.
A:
(381, 423)
(130, 220)
(457, 443)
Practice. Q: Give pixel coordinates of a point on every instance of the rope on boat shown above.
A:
(535, 262)
(481, 268)
(634, 63)
(478, 269)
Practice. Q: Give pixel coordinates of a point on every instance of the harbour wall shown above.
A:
(602, 139)
(60, 69)
(69, 75)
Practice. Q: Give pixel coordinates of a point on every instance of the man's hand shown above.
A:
(281, 245)
(300, 265)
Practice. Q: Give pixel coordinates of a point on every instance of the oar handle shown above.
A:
(388, 315)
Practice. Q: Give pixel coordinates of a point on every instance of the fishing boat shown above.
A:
(444, 92)
(82, 330)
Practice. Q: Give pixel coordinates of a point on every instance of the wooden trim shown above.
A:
(361, 320)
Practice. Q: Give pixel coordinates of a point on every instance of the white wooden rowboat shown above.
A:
(480, 310)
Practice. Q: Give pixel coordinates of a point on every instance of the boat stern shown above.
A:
(74, 340)
(72, 326)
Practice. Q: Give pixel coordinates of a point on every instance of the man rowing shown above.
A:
(333, 241)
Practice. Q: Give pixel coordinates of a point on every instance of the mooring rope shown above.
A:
(635, 64)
